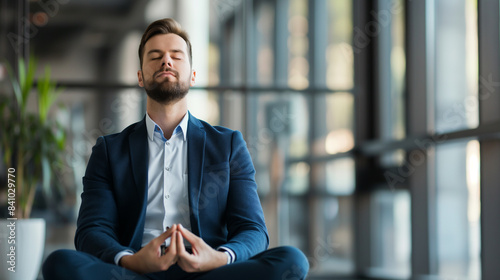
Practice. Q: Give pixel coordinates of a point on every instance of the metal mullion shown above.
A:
(376, 147)
(318, 41)
(420, 121)
(363, 131)
(321, 194)
(249, 66)
(325, 158)
(280, 44)
(310, 199)
(489, 102)
(22, 29)
(223, 65)
(246, 88)
(281, 81)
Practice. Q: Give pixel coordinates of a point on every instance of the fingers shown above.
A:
(172, 249)
(160, 239)
(170, 257)
(180, 245)
(190, 237)
(186, 260)
(170, 230)
(173, 244)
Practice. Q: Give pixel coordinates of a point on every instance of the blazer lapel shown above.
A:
(138, 145)
(196, 154)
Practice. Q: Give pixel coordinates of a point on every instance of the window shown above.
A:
(458, 209)
(297, 115)
(456, 65)
(391, 238)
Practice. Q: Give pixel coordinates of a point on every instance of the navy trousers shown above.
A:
(283, 263)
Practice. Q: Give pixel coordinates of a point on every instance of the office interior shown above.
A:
(373, 125)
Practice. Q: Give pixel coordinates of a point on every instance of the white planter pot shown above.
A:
(29, 237)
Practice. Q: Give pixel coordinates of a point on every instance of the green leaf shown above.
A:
(47, 94)
(60, 137)
(21, 74)
(37, 140)
(30, 79)
(15, 84)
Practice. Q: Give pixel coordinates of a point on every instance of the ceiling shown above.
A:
(89, 24)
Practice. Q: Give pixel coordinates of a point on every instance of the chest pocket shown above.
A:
(215, 184)
(217, 174)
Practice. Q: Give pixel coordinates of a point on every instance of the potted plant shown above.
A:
(31, 146)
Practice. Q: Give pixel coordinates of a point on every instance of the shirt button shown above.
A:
(167, 196)
(167, 143)
(167, 168)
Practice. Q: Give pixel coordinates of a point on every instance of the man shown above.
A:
(171, 197)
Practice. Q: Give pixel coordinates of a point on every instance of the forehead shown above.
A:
(165, 42)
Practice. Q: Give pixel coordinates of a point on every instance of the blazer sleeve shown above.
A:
(247, 232)
(98, 217)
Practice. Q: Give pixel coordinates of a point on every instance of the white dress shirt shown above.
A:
(168, 201)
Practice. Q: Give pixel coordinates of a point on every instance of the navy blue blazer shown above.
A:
(224, 205)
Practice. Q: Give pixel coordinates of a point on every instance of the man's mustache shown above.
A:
(176, 74)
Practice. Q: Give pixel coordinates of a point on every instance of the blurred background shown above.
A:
(374, 126)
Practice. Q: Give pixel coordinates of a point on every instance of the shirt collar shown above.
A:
(181, 127)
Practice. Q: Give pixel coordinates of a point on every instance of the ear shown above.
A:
(193, 77)
(139, 78)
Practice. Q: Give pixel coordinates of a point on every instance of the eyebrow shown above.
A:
(160, 51)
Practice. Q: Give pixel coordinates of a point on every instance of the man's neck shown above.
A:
(167, 116)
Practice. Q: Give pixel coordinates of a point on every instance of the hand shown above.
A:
(149, 258)
(203, 258)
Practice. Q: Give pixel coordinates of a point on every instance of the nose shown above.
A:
(167, 61)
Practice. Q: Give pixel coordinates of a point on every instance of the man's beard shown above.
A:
(166, 91)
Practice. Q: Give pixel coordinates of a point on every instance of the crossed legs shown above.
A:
(278, 263)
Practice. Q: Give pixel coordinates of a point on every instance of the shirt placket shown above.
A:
(167, 176)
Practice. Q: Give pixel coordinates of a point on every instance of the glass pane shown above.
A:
(392, 159)
(334, 120)
(339, 51)
(280, 120)
(458, 210)
(264, 43)
(336, 176)
(297, 181)
(294, 224)
(398, 68)
(391, 66)
(232, 110)
(270, 207)
(204, 105)
(391, 238)
(332, 251)
(456, 65)
(231, 49)
(213, 64)
(298, 45)
(277, 131)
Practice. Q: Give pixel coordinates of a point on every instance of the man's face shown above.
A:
(166, 73)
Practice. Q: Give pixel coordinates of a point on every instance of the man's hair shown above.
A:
(164, 26)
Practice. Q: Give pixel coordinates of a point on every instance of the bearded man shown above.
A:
(171, 197)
